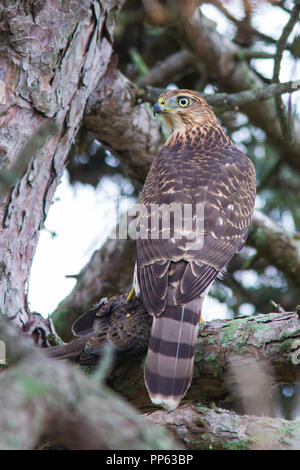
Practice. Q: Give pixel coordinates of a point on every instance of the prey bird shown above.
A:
(199, 166)
(123, 325)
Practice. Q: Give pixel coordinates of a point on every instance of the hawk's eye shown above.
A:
(183, 101)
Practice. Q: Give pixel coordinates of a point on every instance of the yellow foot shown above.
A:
(131, 295)
(201, 319)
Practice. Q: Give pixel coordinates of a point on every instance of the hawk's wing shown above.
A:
(224, 181)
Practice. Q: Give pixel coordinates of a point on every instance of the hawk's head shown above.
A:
(183, 108)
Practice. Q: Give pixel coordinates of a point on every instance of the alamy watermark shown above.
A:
(176, 221)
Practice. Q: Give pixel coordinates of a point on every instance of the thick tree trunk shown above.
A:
(52, 55)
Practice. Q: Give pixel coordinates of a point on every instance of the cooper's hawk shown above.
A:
(199, 166)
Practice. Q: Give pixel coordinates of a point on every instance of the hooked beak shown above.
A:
(158, 108)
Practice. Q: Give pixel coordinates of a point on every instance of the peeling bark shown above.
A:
(51, 58)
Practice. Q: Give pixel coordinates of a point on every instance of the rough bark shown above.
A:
(202, 428)
(52, 55)
(268, 343)
(61, 405)
(48, 75)
(42, 400)
(135, 136)
(266, 346)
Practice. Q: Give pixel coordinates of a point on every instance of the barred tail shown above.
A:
(171, 352)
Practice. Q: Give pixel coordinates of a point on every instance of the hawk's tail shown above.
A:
(171, 352)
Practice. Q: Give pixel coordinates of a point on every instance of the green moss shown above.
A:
(32, 387)
(54, 340)
(202, 408)
(231, 329)
(143, 362)
(86, 369)
(59, 319)
(14, 442)
(236, 421)
(34, 86)
(240, 349)
(290, 433)
(198, 445)
(286, 345)
(240, 55)
(157, 439)
(211, 341)
(262, 331)
(198, 359)
(212, 358)
(289, 334)
(235, 445)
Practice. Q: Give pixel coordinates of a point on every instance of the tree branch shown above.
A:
(225, 348)
(286, 128)
(174, 66)
(248, 28)
(218, 55)
(226, 101)
(57, 402)
(222, 346)
(282, 41)
(273, 243)
(136, 136)
(199, 427)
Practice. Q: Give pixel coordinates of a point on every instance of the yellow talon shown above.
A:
(201, 319)
(131, 295)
